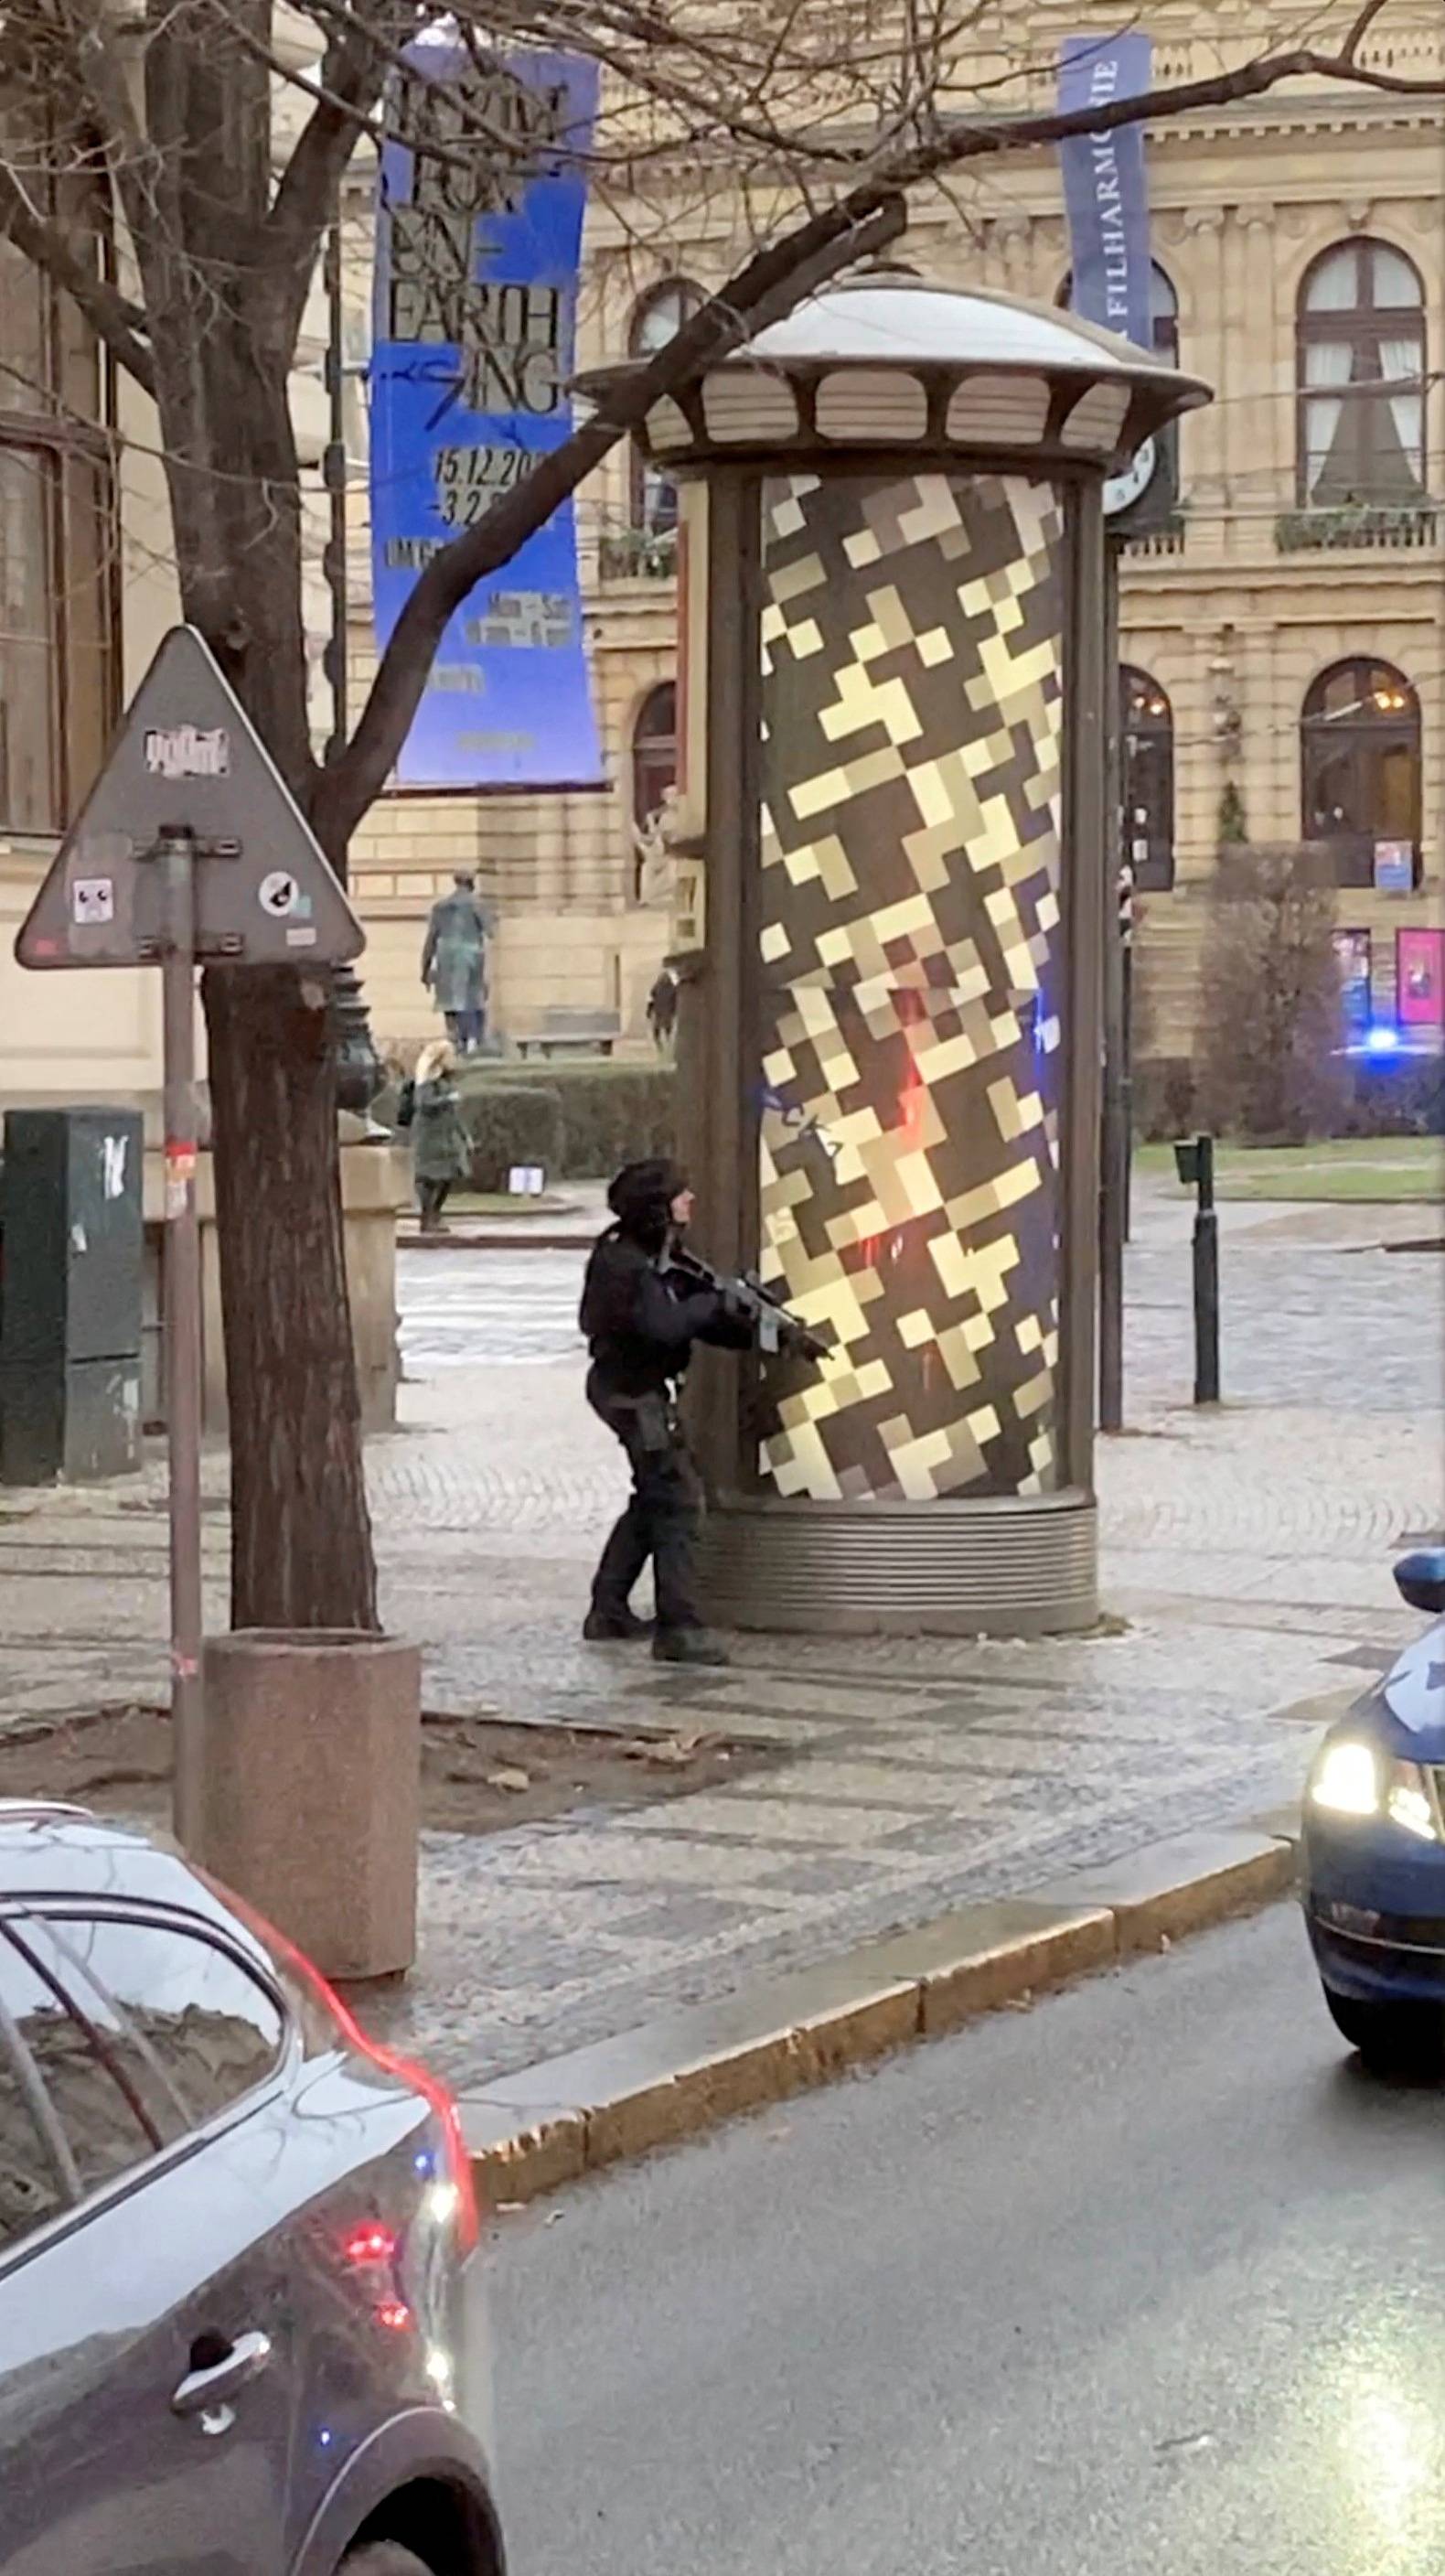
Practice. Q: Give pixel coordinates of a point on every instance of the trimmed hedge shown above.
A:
(607, 1114)
(509, 1123)
(1164, 1089)
(1387, 1098)
(583, 1119)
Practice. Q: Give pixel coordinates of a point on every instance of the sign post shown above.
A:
(181, 1292)
(1195, 1165)
(1106, 200)
(1114, 1137)
(190, 851)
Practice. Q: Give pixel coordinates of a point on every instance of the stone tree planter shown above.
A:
(310, 1798)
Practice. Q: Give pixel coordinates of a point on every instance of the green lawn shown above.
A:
(1383, 1170)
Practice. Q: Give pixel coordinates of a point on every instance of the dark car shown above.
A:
(1374, 1849)
(233, 2238)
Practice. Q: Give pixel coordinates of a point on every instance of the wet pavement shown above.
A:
(486, 1309)
(1248, 1551)
(1144, 2279)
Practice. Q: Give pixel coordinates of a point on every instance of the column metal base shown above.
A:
(1004, 1566)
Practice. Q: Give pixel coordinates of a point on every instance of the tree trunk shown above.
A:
(301, 1554)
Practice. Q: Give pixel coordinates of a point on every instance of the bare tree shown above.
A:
(1271, 1019)
(827, 117)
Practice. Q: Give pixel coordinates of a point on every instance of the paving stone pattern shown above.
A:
(1249, 1552)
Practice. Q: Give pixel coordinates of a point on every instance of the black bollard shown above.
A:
(1195, 1164)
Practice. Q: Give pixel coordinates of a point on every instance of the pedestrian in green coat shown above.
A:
(438, 1137)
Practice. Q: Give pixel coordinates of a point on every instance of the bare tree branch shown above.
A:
(117, 321)
(776, 278)
(101, 67)
(1371, 10)
(352, 77)
(762, 291)
(967, 138)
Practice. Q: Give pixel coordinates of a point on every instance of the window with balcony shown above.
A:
(58, 668)
(1360, 377)
(647, 546)
(1360, 772)
(1146, 742)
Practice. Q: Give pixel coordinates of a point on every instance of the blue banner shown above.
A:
(477, 255)
(1105, 190)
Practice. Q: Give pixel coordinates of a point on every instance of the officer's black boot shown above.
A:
(614, 1627)
(687, 1646)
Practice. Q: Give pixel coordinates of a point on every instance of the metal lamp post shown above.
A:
(360, 1073)
(891, 837)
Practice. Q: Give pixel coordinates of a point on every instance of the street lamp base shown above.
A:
(1000, 1566)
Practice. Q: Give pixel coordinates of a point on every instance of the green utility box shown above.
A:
(70, 1311)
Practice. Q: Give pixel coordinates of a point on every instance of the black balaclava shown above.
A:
(641, 1200)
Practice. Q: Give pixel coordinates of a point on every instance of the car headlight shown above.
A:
(1408, 1801)
(1346, 1779)
(1351, 1779)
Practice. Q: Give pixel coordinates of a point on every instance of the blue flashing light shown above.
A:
(1382, 1039)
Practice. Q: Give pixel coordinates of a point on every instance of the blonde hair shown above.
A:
(438, 1057)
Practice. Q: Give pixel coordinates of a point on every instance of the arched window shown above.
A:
(1146, 780)
(1163, 315)
(1360, 373)
(1163, 312)
(1360, 769)
(652, 499)
(654, 767)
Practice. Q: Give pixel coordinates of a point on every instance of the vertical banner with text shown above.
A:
(1106, 193)
(478, 245)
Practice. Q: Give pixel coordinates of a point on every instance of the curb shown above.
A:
(550, 2124)
(512, 1241)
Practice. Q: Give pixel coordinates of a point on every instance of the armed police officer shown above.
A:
(645, 1302)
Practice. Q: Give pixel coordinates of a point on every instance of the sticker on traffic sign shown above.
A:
(187, 751)
(278, 894)
(92, 899)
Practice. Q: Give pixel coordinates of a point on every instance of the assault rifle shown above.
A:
(774, 1328)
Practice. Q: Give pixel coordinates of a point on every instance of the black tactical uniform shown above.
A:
(641, 1320)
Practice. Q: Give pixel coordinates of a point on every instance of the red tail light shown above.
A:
(417, 2079)
(369, 2246)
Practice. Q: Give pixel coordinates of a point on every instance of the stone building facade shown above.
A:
(1284, 635)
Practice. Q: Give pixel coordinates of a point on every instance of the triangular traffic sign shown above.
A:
(189, 755)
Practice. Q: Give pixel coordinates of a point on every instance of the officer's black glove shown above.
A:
(799, 1343)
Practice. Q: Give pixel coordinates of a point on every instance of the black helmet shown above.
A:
(641, 1198)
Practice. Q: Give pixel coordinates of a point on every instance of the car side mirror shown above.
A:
(1420, 1579)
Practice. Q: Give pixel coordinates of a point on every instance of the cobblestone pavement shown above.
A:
(1249, 1552)
(1314, 1309)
